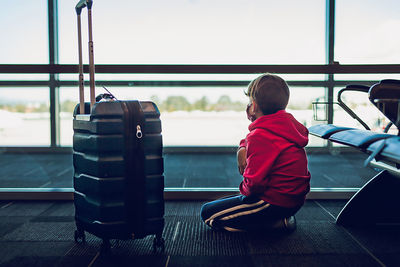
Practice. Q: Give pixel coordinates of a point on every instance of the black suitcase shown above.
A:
(118, 165)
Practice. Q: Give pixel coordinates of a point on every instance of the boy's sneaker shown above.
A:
(285, 224)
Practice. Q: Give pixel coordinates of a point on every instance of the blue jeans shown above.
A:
(242, 213)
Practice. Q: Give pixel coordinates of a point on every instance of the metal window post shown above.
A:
(330, 59)
(53, 78)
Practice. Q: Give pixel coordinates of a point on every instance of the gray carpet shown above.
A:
(41, 234)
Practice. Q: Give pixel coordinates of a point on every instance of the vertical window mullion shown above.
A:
(330, 43)
(53, 78)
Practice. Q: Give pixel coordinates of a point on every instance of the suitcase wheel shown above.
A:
(158, 242)
(79, 236)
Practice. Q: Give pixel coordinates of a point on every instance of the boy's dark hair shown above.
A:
(270, 92)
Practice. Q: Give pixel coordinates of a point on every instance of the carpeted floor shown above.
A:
(41, 234)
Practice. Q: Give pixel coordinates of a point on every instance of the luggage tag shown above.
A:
(106, 96)
(100, 98)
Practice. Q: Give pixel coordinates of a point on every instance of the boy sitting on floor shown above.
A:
(273, 163)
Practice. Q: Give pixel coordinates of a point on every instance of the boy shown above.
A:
(272, 161)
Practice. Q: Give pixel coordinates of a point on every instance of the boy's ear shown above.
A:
(256, 110)
(254, 106)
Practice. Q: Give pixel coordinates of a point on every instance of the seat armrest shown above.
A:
(326, 130)
(360, 139)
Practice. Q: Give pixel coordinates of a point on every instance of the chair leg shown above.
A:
(377, 202)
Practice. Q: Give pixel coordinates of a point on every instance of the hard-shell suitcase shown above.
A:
(118, 164)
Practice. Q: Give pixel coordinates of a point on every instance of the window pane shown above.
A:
(359, 103)
(24, 31)
(366, 31)
(199, 32)
(301, 106)
(25, 117)
(196, 116)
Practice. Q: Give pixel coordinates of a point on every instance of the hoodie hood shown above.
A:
(282, 124)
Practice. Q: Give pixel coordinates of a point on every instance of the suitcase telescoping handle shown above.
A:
(82, 4)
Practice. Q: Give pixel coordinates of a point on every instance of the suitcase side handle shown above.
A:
(82, 4)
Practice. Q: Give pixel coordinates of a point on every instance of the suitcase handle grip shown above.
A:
(82, 4)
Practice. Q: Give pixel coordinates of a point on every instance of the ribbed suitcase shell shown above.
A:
(118, 177)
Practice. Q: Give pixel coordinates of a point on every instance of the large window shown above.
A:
(199, 108)
(200, 32)
(195, 32)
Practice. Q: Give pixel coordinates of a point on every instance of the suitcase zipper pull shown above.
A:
(138, 131)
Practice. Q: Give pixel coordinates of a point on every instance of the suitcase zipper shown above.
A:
(138, 132)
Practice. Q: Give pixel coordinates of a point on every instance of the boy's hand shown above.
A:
(241, 159)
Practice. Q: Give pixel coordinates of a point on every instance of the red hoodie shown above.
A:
(276, 160)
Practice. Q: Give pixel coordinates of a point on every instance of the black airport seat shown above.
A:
(326, 130)
(358, 138)
(378, 200)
